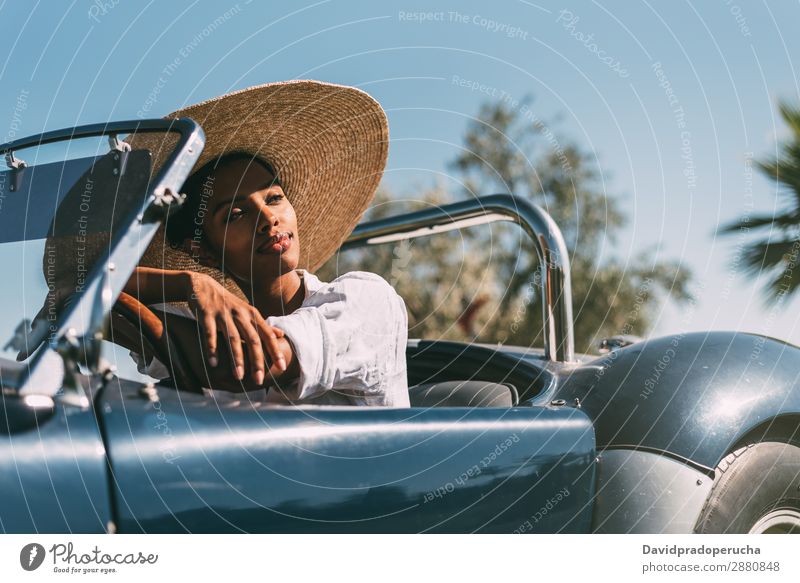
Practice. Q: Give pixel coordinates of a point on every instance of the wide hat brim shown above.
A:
(328, 143)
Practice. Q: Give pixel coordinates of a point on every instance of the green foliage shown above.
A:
(482, 284)
(776, 253)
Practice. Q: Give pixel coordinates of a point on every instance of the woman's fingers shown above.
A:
(270, 336)
(242, 324)
(235, 345)
(210, 330)
(248, 330)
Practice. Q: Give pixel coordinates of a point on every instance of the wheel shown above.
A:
(756, 490)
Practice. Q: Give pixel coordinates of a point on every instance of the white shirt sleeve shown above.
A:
(350, 336)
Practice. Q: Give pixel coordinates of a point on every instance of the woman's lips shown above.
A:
(280, 243)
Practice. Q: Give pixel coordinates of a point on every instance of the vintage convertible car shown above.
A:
(686, 433)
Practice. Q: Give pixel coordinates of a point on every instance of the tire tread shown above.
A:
(727, 467)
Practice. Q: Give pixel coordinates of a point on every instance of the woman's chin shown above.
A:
(275, 265)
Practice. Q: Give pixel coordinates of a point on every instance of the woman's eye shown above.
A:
(236, 214)
(274, 197)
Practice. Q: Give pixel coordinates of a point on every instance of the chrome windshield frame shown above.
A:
(83, 321)
(559, 336)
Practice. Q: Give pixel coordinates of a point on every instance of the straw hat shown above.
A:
(328, 144)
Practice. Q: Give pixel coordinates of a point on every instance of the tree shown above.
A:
(436, 276)
(776, 253)
(482, 284)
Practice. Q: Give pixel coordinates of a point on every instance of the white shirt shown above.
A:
(349, 337)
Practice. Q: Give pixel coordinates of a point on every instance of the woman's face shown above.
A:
(250, 222)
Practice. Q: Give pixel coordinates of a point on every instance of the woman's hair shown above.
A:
(184, 223)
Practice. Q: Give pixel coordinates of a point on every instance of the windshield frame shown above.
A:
(82, 322)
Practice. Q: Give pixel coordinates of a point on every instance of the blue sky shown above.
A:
(675, 100)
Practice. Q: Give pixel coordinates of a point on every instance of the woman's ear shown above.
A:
(199, 250)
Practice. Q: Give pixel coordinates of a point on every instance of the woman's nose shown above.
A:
(266, 219)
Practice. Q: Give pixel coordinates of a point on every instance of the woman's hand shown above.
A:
(219, 311)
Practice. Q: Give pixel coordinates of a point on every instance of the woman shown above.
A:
(288, 170)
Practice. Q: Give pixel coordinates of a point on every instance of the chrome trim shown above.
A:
(559, 341)
(613, 343)
(81, 323)
(17, 166)
(780, 521)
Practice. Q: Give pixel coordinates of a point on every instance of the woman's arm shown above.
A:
(150, 285)
(187, 334)
(217, 311)
(350, 336)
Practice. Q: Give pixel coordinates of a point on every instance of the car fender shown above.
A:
(693, 396)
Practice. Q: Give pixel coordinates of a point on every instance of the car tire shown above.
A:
(756, 490)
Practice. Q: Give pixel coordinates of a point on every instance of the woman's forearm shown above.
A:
(153, 286)
(224, 314)
(187, 333)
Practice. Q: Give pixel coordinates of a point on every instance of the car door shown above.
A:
(53, 472)
(186, 462)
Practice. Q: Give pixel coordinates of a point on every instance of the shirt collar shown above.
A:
(310, 281)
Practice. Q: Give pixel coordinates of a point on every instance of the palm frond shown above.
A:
(784, 284)
(784, 221)
(791, 115)
(764, 255)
